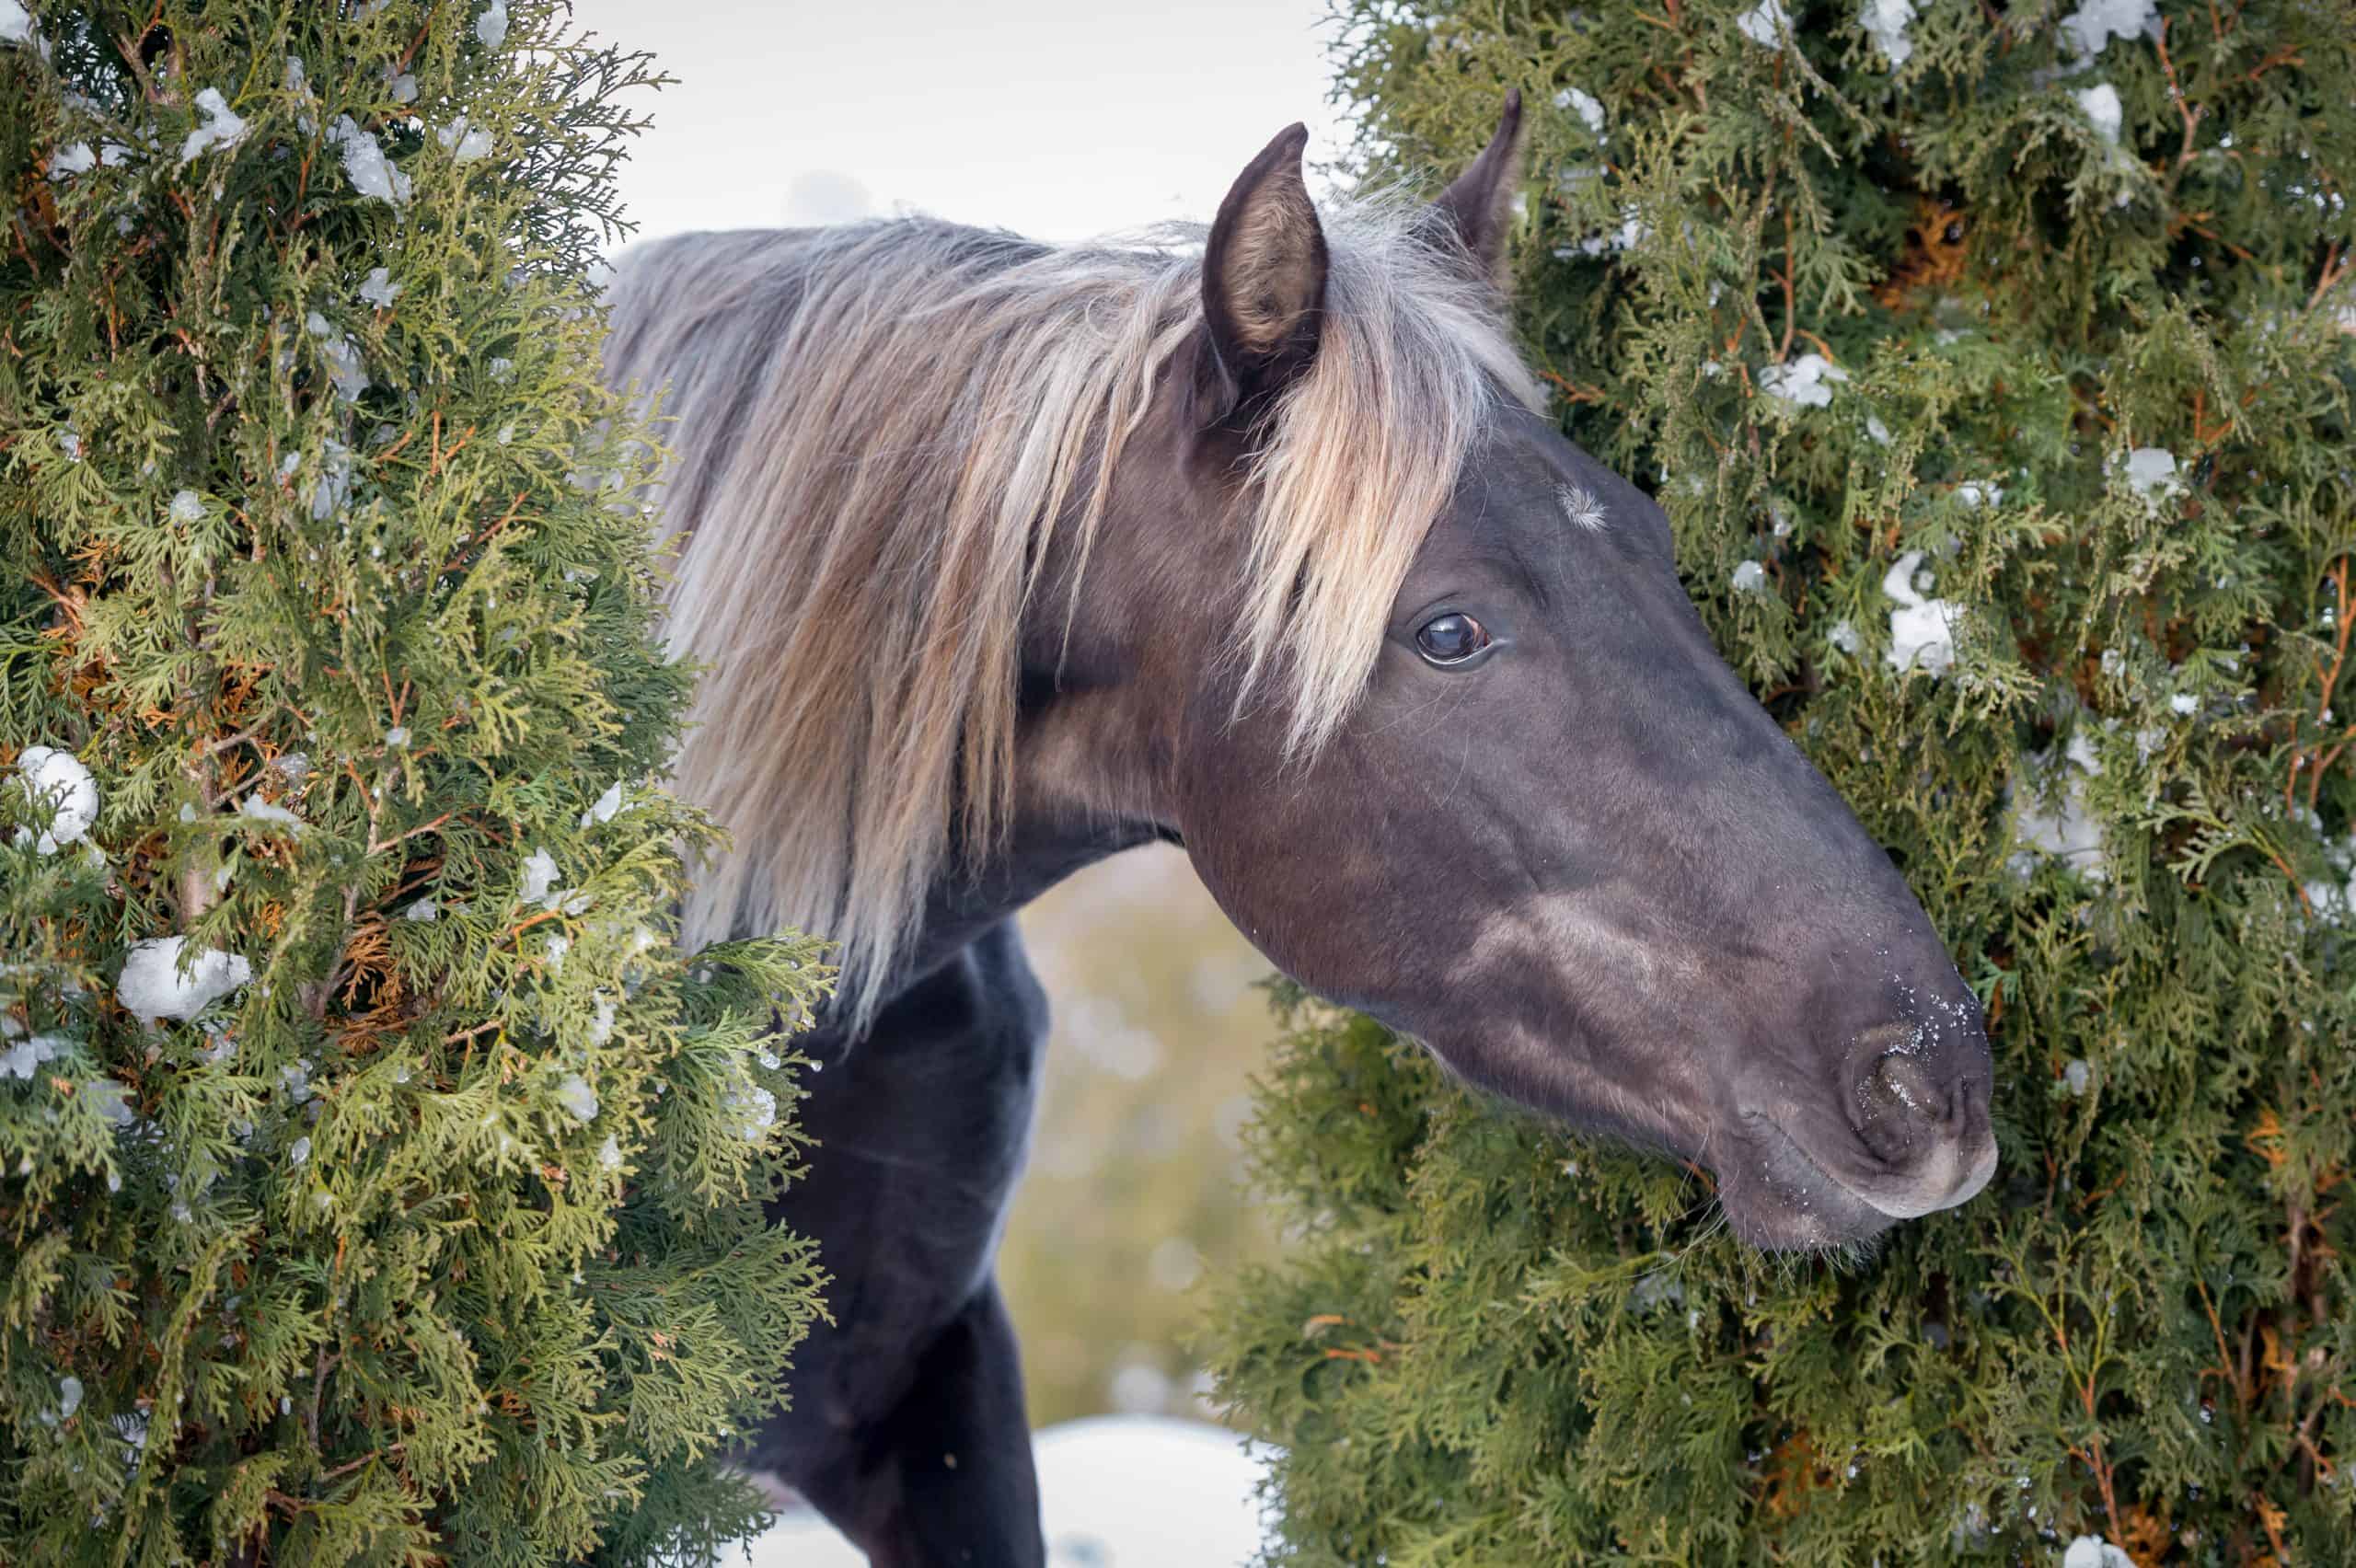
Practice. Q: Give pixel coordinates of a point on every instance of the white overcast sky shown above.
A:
(1059, 119)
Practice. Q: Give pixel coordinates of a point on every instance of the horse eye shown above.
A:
(1450, 638)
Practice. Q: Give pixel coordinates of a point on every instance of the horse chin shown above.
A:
(1779, 1200)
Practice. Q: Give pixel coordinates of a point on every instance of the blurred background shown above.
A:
(1059, 120)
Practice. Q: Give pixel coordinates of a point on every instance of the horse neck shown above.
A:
(963, 904)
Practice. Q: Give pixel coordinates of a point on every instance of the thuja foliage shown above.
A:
(382, 1183)
(1994, 365)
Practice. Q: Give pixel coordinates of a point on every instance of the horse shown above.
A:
(1004, 557)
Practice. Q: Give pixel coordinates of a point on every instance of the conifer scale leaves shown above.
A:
(426, 1222)
(2098, 351)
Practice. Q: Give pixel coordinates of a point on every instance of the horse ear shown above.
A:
(1477, 208)
(1263, 275)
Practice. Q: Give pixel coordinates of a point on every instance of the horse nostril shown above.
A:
(1905, 1081)
(1901, 1108)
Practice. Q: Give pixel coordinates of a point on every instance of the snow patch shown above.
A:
(1115, 1492)
(335, 479)
(365, 163)
(464, 145)
(1885, 22)
(223, 127)
(19, 1059)
(605, 807)
(2101, 106)
(75, 157)
(1765, 25)
(2090, 28)
(152, 986)
(575, 1095)
(1805, 383)
(16, 22)
(2151, 474)
(186, 507)
(58, 780)
(379, 290)
(491, 26)
(539, 875)
(1749, 578)
(1921, 631)
(1843, 636)
(260, 810)
(2067, 832)
(1584, 106)
(342, 356)
(2092, 1552)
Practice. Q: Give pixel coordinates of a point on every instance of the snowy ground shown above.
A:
(1117, 1492)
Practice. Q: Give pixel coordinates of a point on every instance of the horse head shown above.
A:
(1414, 680)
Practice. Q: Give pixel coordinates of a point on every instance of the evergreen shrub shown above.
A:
(382, 1183)
(1993, 363)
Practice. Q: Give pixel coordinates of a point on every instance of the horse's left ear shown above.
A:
(1478, 207)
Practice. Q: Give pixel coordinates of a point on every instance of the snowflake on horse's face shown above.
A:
(1268, 550)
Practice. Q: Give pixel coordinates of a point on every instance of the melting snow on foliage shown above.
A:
(75, 157)
(2095, 24)
(2067, 831)
(152, 986)
(365, 163)
(1922, 632)
(1764, 24)
(463, 145)
(379, 290)
(2101, 106)
(58, 778)
(1805, 383)
(1885, 22)
(539, 875)
(575, 1095)
(2092, 1552)
(605, 807)
(342, 356)
(1582, 105)
(260, 810)
(16, 22)
(223, 127)
(186, 507)
(2151, 474)
(23, 1055)
(335, 478)
(1751, 577)
(491, 26)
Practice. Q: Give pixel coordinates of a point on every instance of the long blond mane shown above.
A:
(880, 428)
